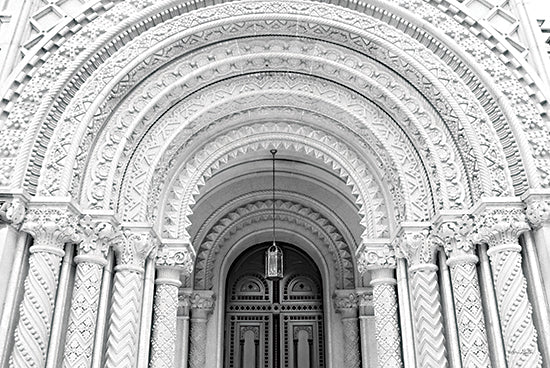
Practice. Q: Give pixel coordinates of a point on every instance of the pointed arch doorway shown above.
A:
(274, 324)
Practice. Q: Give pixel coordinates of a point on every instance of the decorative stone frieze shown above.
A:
(419, 246)
(346, 303)
(202, 305)
(51, 228)
(500, 227)
(456, 235)
(96, 237)
(132, 248)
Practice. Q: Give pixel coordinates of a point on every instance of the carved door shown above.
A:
(274, 324)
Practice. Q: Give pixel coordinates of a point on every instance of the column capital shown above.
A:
(374, 257)
(95, 236)
(51, 227)
(12, 212)
(202, 300)
(346, 302)
(177, 257)
(457, 234)
(383, 276)
(501, 226)
(132, 246)
(418, 244)
(538, 210)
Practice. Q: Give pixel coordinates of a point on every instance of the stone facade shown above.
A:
(413, 169)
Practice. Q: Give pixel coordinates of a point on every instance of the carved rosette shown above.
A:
(51, 229)
(388, 337)
(96, 237)
(419, 247)
(170, 263)
(346, 304)
(500, 229)
(202, 304)
(457, 238)
(132, 249)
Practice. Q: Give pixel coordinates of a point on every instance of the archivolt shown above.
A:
(326, 234)
(50, 187)
(525, 118)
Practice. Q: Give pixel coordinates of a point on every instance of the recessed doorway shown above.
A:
(274, 324)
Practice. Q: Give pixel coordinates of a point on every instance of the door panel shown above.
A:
(274, 324)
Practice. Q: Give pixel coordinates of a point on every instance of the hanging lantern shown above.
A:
(274, 254)
(274, 263)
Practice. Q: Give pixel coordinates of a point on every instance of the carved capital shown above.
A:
(203, 300)
(364, 298)
(95, 237)
(132, 247)
(376, 257)
(51, 227)
(12, 212)
(457, 235)
(501, 226)
(345, 300)
(538, 212)
(419, 246)
(176, 257)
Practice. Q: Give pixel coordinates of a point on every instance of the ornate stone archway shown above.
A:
(410, 133)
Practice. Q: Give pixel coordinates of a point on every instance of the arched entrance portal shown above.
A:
(272, 324)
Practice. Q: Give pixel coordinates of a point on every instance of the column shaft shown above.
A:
(471, 324)
(449, 316)
(351, 342)
(83, 318)
(388, 339)
(125, 315)
(165, 311)
(33, 330)
(520, 336)
(197, 340)
(405, 314)
(430, 340)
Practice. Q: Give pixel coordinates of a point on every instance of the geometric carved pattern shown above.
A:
(388, 338)
(122, 343)
(520, 336)
(428, 319)
(83, 317)
(352, 358)
(163, 343)
(287, 211)
(36, 311)
(469, 313)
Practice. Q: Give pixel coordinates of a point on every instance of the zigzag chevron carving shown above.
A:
(427, 319)
(124, 323)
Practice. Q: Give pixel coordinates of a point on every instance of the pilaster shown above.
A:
(131, 249)
(51, 227)
(500, 227)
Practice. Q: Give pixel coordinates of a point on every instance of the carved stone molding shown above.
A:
(306, 217)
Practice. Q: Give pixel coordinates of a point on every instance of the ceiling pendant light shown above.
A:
(274, 254)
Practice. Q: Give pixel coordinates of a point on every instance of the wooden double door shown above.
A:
(274, 324)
